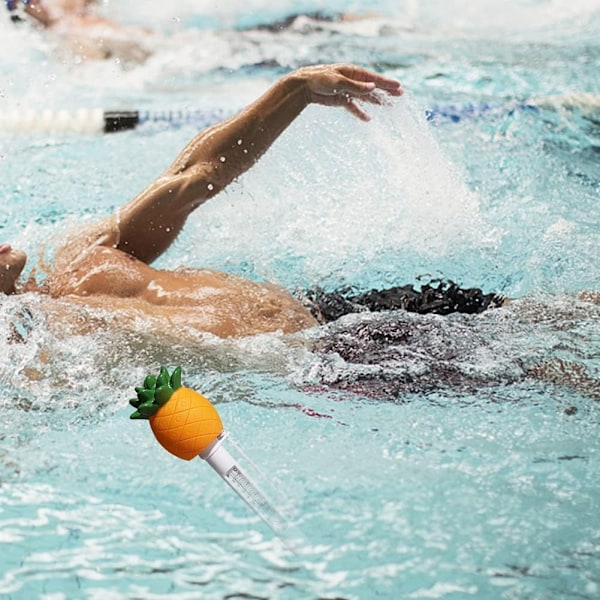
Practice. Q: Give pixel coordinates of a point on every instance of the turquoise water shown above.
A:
(421, 457)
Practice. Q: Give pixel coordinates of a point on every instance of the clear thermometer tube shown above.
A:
(244, 483)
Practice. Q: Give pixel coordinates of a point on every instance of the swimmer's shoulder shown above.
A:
(100, 270)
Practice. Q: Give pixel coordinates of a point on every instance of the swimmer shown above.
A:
(102, 275)
(33, 8)
(79, 29)
(48, 13)
(107, 268)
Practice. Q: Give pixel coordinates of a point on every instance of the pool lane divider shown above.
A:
(99, 121)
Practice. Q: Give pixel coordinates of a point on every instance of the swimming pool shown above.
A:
(421, 457)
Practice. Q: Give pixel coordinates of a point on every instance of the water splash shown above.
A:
(335, 194)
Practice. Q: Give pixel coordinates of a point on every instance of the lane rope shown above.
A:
(99, 121)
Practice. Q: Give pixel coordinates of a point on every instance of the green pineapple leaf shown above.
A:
(155, 393)
(162, 394)
(176, 378)
(163, 377)
(150, 382)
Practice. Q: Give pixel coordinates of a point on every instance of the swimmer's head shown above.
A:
(11, 264)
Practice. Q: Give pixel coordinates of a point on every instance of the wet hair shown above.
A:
(437, 297)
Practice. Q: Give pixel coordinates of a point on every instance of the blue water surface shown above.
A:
(421, 456)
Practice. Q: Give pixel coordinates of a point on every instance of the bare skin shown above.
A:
(84, 33)
(49, 13)
(108, 267)
(39, 12)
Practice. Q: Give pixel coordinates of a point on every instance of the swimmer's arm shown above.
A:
(230, 148)
(35, 9)
(148, 224)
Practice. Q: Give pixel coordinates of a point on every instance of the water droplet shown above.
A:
(222, 159)
(240, 142)
(210, 186)
(245, 150)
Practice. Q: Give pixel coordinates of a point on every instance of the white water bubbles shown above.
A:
(417, 189)
(334, 194)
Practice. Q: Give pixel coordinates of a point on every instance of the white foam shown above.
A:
(494, 16)
(337, 191)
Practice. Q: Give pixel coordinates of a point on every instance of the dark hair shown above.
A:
(442, 299)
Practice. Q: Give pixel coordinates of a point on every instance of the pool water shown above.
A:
(421, 456)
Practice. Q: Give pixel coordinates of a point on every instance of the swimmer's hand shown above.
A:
(343, 84)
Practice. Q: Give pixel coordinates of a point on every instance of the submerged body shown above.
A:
(79, 30)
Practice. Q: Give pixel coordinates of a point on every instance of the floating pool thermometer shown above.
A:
(187, 425)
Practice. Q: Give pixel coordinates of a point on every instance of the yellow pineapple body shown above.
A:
(187, 424)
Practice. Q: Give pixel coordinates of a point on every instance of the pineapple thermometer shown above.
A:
(187, 425)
